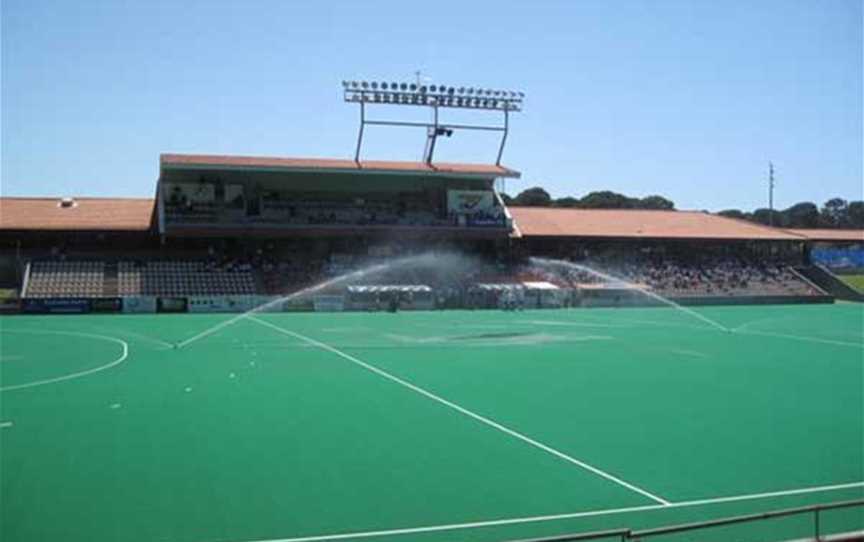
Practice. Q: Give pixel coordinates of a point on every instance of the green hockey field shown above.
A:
(428, 426)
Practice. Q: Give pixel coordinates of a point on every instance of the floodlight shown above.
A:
(364, 84)
(403, 87)
(383, 86)
(423, 89)
(413, 87)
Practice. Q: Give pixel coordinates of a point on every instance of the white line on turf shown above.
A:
(558, 517)
(118, 361)
(5, 424)
(147, 338)
(464, 411)
(214, 329)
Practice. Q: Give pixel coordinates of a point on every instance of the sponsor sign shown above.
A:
(139, 304)
(56, 305)
(225, 303)
(10, 306)
(839, 258)
(471, 202)
(106, 304)
(171, 304)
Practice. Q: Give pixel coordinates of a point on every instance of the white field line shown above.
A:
(464, 411)
(118, 361)
(799, 338)
(558, 517)
(145, 338)
(214, 329)
(5, 424)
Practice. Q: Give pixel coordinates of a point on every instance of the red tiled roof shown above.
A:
(816, 234)
(87, 214)
(632, 223)
(337, 165)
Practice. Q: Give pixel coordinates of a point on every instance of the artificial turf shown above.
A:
(855, 281)
(311, 425)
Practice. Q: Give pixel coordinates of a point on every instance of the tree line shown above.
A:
(834, 213)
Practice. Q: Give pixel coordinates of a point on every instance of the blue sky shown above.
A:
(688, 99)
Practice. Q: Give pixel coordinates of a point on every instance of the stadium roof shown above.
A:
(330, 165)
(829, 234)
(135, 214)
(85, 214)
(644, 224)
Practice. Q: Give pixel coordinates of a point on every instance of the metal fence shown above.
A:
(644, 534)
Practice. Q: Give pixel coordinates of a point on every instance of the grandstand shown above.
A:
(305, 220)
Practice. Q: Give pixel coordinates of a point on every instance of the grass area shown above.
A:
(428, 426)
(855, 281)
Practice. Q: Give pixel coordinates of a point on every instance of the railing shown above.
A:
(629, 534)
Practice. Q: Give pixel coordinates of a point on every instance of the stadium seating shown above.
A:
(708, 276)
(66, 279)
(185, 277)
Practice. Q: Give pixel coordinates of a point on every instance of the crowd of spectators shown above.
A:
(693, 275)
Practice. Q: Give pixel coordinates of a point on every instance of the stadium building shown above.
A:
(252, 227)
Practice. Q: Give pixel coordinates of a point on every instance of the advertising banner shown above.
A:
(171, 304)
(56, 305)
(229, 303)
(208, 303)
(106, 304)
(10, 306)
(139, 304)
(469, 202)
(839, 258)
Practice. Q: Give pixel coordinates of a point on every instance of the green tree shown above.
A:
(855, 214)
(568, 201)
(833, 214)
(734, 213)
(533, 197)
(801, 215)
(607, 200)
(765, 216)
(656, 202)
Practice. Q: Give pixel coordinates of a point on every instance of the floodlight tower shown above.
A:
(435, 97)
(770, 193)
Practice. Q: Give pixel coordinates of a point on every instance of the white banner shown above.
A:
(469, 202)
(225, 303)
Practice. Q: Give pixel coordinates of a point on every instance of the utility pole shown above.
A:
(770, 194)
